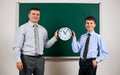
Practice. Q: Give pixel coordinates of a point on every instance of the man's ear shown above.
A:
(95, 25)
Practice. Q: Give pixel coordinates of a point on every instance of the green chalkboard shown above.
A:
(57, 15)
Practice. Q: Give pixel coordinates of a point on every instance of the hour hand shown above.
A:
(64, 32)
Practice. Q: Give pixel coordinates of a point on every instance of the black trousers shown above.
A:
(86, 67)
(32, 65)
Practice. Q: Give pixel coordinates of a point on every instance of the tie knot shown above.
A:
(34, 25)
(88, 34)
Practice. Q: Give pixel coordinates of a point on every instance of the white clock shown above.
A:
(64, 33)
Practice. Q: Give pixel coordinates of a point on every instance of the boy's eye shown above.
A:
(33, 13)
(87, 22)
(37, 14)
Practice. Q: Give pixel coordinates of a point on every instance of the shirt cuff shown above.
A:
(54, 39)
(98, 60)
(74, 39)
(18, 60)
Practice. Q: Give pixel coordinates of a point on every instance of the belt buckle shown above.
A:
(38, 56)
(84, 60)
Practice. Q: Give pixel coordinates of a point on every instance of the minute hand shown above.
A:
(67, 30)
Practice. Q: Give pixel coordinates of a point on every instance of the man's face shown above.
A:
(90, 25)
(34, 16)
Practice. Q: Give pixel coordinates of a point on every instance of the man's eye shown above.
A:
(33, 13)
(91, 23)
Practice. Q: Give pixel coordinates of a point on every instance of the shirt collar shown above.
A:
(91, 32)
(31, 24)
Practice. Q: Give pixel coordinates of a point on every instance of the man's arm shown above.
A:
(50, 42)
(17, 48)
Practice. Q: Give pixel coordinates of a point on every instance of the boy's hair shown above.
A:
(34, 9)
(90, 18)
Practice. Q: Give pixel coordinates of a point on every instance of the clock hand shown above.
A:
(67, 30)
(64, 32)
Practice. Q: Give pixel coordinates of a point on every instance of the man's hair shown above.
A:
(34, 9)
(90, 18)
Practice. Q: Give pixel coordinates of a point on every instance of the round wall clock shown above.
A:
(64, 33)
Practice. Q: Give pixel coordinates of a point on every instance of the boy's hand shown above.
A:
(73, 34)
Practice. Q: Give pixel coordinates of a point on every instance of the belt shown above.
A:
(87, 60)
(37, 56)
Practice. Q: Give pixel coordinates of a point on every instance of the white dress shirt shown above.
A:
(96, 44)
(25, 41)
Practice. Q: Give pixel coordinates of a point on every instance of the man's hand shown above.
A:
(19, 66)
(94, 63)
(56, 34)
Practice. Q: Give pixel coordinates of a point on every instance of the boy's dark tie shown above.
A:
(86, 47)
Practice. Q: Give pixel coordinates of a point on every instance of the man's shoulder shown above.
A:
(23, 25)
(42, 27)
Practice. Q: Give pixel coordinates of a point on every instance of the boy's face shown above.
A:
(90, 25)
(34, 16)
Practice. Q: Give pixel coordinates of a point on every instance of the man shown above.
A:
(89, 45)
(30, 41)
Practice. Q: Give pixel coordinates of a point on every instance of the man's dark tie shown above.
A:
(36, 40)
(86, 47)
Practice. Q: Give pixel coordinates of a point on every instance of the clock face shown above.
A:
(65, 33)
